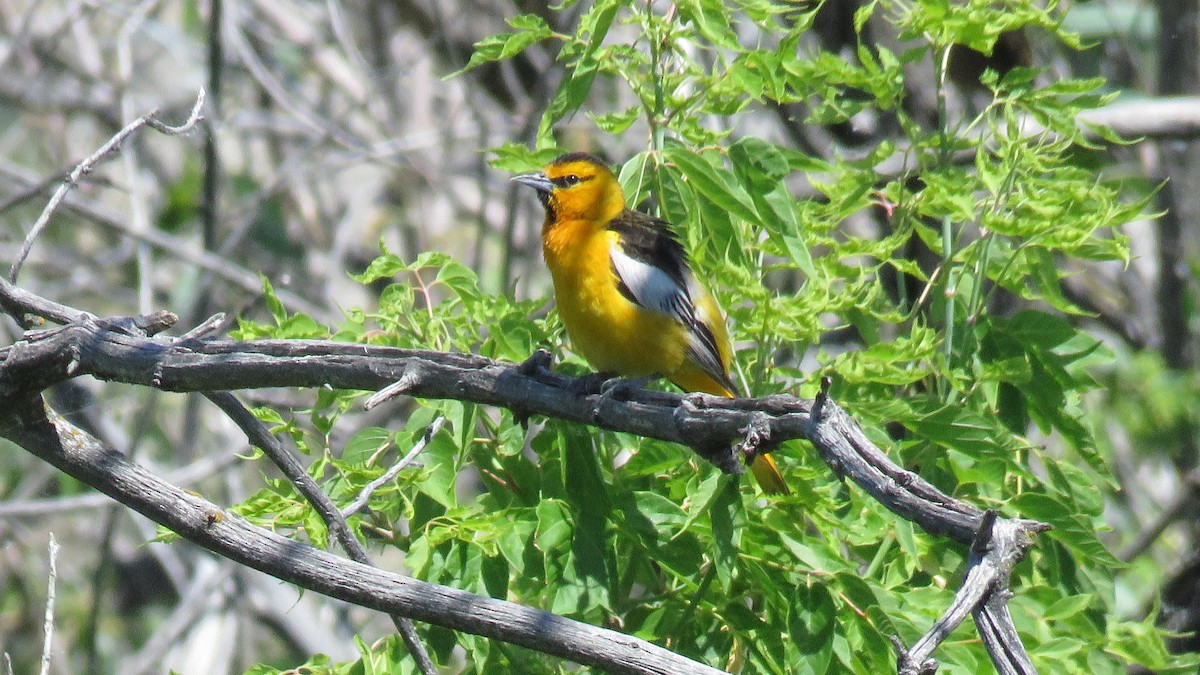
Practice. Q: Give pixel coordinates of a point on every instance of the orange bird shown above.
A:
(625, 289)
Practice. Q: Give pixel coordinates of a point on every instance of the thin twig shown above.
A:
(89, 164)
(169, 244)
(1178, 507)
(196, 599)
(137, 200)
(258, 435)
(360, 502)
(48, 624)
(288, 100)
(43, 508)
(210, 189)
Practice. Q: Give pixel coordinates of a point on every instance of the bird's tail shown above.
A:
(692, 377)
(767, 474)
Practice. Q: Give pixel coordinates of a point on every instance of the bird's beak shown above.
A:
(536, 180)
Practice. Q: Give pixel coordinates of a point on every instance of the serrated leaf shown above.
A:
(715, 186)
(531, 28)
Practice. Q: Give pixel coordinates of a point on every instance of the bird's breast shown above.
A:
(608, 330)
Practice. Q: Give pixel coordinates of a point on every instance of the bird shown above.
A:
(626, 291)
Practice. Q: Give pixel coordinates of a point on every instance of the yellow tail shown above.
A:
(691, 377)
(767, 474)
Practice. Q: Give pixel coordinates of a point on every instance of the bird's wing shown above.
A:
(653, 272)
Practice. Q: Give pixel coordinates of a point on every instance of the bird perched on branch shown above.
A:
(625, 289)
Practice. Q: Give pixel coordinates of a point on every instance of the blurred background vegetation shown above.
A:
(332, 127)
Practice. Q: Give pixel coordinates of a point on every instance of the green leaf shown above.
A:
(530, 28)
(716, 186)
(726, 511)
(553, 527)
(365, 443)
(812, 620)
(1075, 532)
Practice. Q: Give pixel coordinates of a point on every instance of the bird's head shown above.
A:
(577, 186)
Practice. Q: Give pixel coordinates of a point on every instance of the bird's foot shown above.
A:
(619, 389)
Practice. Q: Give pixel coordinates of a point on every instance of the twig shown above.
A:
(169, 244)
(197, 600)
(360, 502)
(324, 506)
(288, 100)
(137, 200)
(984, 594)
(405, 382)
(48, 624)
(1179, 506)
(42, 508)
(210, 189)
(206, 328)
(89, 164)
(1000, 636)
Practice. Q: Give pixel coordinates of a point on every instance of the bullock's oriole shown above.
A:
(625, 290)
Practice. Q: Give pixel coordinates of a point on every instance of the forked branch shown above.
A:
(119, 350)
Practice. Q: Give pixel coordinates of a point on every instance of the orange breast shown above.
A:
(612, 333)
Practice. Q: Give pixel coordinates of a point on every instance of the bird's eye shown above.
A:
(566, 181)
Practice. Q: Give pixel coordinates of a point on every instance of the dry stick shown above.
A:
(1176, 509)
(984, 594)
(48, 624)
(360, 502)
(324, 506)
(194, 601)
(169, 244)
(288, 100)
(43, 508)
(89, 164)
(137, 201)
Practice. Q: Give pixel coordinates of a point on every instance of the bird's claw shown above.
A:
(589, 384)
(618, 389)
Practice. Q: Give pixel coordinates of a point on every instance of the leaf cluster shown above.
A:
(944, 275)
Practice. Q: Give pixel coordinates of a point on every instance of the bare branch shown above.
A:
(92, 347)
(121, 349)
(28, 423)
(178, 247)
(48, 624)
(89, 164)
(321, 503)
(984, 594)
(1165, 118)
(360, 502)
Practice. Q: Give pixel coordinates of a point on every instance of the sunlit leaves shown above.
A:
(527, 30)
(884, 270)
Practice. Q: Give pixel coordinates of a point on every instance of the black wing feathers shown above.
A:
(651, 241)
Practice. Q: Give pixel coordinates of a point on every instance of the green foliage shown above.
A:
(639, 534)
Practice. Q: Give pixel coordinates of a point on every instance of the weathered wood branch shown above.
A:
(26, 421)
(708, 424)
(999, 546)
(127, 350)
